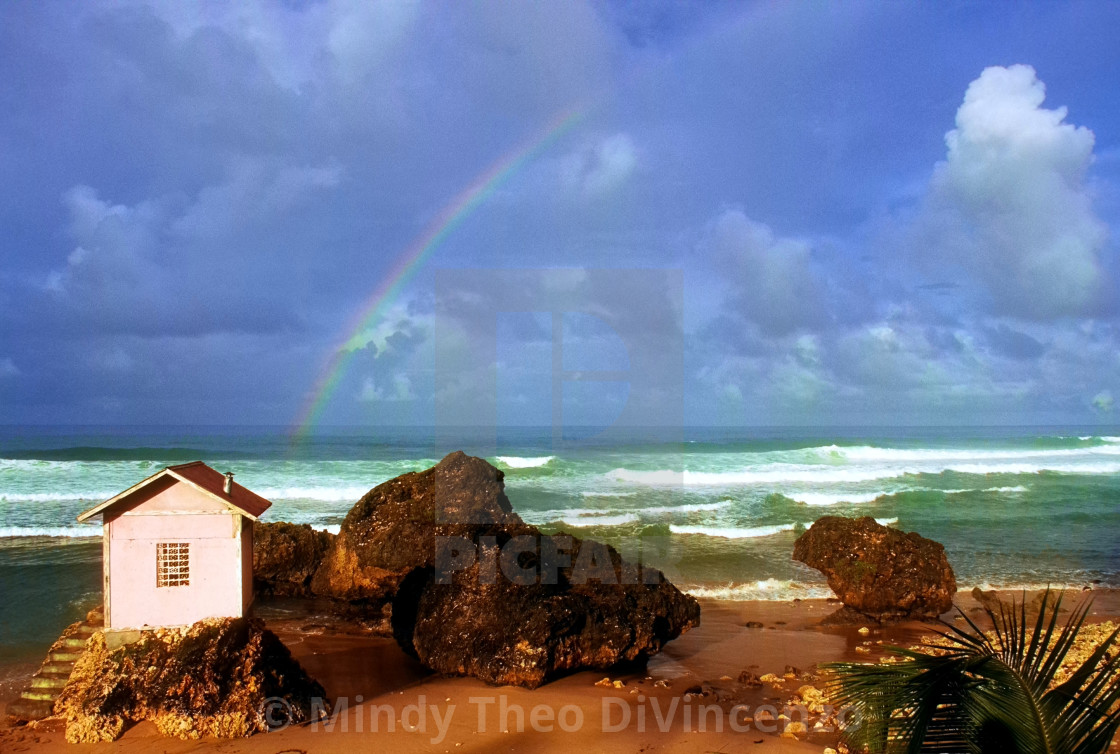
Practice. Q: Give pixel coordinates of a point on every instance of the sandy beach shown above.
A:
(384, 698)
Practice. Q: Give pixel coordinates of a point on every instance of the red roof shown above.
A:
(214, 482)
(199, 475)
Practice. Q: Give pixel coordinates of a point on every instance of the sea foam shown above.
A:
(519, 462)
(778, 475)
(774, 475)
(865, 453)
(732, 532)
(55, 497)
(322, 494)
(765, 589)
(591, 521)
(689, 507)
(50, 531)
(833, 498)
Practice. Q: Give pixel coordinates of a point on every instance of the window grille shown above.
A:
(173, 564)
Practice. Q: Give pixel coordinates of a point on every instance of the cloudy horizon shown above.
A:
(866, 214)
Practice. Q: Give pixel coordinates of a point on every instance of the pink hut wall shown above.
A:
(216, 535)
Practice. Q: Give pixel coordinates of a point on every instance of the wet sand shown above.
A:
(687, 699)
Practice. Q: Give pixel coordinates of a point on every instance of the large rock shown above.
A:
(286, 556)
(393, 529)
(477, 591)
(503, 627)
(212, 678)
(880, 573)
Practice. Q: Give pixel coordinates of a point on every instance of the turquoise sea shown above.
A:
(718, 508)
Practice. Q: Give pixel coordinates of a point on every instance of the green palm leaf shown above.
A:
(987, 692)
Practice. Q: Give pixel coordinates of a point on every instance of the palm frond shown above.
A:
(896, 707)
(988, 691)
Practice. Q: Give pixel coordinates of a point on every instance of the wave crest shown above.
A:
(764, 590)
(584, 522)
(520, 462)
(732, 532)
(8, 532)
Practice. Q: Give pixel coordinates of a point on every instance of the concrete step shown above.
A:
(63, 669)
(37, 701)
(57, 656)
(48, 682)
(30, 709)
(39, 695)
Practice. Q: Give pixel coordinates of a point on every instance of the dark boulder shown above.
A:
(393, 529)
(286, 556)
(477, 591)
(879, 573)
(505, 626)
(226, 677)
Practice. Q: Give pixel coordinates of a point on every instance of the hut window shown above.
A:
(173, 564)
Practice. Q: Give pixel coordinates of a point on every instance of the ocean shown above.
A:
(718, 509)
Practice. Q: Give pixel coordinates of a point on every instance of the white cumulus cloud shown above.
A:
(1010, 204)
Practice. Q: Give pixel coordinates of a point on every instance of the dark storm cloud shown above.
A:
(876, 210)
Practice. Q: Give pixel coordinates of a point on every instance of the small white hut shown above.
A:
(177, 548)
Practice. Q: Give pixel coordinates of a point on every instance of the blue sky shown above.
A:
(880, 213)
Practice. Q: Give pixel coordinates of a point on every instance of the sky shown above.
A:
(308, 213)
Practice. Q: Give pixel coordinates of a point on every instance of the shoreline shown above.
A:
(381, 686)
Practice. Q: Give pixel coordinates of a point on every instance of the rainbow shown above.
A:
(450, 217)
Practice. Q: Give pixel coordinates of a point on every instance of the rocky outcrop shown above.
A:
(477, 591)
(504, 627)
(878, 572)
(393, 529)
(227, 677)
(286, 556)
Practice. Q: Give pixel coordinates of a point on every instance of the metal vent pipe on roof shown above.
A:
(228, 488)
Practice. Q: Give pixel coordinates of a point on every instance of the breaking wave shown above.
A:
(833, 498)
(8, 532)
(519, 462)
(690, 508)
(590, 521)
(732, 532)
(766, 589)
(783, 474)
(55, 497)
(322, 494)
